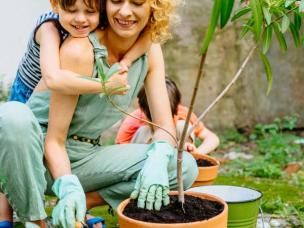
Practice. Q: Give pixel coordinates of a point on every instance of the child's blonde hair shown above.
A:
(160, 18)
(65, 4)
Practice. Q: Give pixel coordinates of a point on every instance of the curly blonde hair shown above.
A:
(160, 19)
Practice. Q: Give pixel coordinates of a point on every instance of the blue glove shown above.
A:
(152, 184)
(72, 203)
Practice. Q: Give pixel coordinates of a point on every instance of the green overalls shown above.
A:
(109, 170)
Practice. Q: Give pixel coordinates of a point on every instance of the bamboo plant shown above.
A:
(260, 19)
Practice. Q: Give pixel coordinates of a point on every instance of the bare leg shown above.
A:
(6, 212)
(93, 200)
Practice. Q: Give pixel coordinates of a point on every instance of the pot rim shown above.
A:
(208, 158)
(209, 196)
(234, 186)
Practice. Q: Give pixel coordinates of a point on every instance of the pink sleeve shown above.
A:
(129, 127)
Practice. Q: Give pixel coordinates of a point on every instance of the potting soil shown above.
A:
(196, 209)
(203, 163)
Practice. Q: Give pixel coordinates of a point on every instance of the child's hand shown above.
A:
(190, 147)
(118, 84)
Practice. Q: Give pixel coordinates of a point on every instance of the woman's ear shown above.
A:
(54, 5)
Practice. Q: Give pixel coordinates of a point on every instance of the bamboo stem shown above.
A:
(181, 197)
(236, 76)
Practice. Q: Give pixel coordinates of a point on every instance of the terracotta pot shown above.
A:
(206, 175)
(219, 221)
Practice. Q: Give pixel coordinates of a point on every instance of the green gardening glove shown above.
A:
(152, 184)
(72, 203)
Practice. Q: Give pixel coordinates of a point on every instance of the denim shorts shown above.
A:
(19, 91)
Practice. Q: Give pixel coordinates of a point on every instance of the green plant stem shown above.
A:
(236, 76)
(181, 197)
(144, 120)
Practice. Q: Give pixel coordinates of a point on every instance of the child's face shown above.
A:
(78, 20)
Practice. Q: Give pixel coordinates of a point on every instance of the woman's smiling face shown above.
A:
(127, 18)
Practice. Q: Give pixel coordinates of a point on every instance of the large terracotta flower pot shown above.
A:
(206, 175)
(218, 221)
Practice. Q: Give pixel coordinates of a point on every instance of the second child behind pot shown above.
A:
(136, 131)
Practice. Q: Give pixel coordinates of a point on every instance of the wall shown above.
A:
(246, 103)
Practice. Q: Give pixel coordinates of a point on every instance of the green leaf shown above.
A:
(226, 9)
(241, 12)
(268, 71)
(212, 26)
(258, 17)
(267, 15)
(295, 35)
(267, 36)
(280, 37)
(285, 23)
(297, 21)
(100, 71)
(247, 27)
(288, 3)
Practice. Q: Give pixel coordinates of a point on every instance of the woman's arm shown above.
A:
(55, 78)
(76, 55)
(157, 96)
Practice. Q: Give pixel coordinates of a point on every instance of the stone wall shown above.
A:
(246, 103)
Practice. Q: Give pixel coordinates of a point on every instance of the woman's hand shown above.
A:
(152, 188)
(72, 203)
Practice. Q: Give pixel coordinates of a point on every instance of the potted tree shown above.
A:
(261, 18)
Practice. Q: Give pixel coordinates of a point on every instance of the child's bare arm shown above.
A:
(55, 78)
(141, 46)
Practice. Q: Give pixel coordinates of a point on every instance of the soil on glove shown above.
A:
(196, 209)
(204, 163)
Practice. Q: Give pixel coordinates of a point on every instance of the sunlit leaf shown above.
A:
(295, 35)
(285, 23)
(226, 9)
(267, 15)
(289, 2)
(268, 71)
(280, 37)
(258, 17)
(239, 13)
(212, 26)
(267, 36)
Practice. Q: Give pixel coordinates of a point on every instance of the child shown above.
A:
(136, 131)
(69, 18)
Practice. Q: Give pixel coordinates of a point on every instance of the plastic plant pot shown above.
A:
(243, 203)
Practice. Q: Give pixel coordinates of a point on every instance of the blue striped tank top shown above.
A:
(29, 67)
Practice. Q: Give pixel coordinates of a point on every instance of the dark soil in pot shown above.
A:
(196, 209)
(204, 163)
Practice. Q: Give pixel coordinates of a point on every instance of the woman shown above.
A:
(67, 127)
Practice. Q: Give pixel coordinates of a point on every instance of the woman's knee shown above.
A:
(16, 121)
(190, 170)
